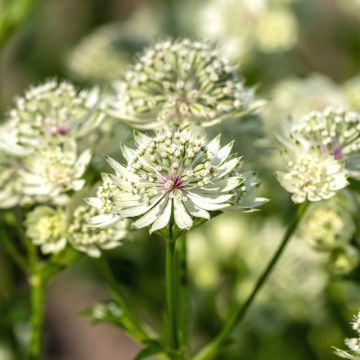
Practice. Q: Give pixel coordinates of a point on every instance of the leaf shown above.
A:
(153, 347)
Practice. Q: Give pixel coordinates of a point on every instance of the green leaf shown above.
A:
(153, 347)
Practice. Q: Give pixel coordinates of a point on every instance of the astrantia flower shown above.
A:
(90, 240)
(180, 83)
(312, 175)
(174, 174)
(344, 259)
(335, 132)
(51, 111)
(47, 228)
(276, 31)
(327, 226)
(353, 344)
(55, 169)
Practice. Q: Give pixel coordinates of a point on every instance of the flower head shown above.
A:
(311, 175)
(49, 112)
(353, 344)
(180, 83)
(54, 170)
(89, 240)
(47, 228)
(344, 259)
(335, 132)
(327, 226)
(174, 174)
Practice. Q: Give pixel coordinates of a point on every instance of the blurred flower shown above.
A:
(89, 240)
(47, 228)
(242, 26)
(175, 173)
(276, 31)
(353, 344)
(327, 226)
(55, 169)
(311, 175)
(180, 83)
(352, 92)
(335, 132)
(103, 55)
(293, 97)
(344, 259)
(49, 112)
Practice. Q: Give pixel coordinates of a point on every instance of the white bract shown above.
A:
(180, 83)
(49, 112)
(90, 240)
(311, 175)
(353, 344)
(174, 175)
(334, 131)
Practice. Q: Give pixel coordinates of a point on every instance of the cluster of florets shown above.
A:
(89, 240)
(40, 143)
(54, 229)
(311, 175)
(175, 173)
(333, 131)
(353, 344)
(180, 83)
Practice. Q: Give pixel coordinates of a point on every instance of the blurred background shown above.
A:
(299, 55)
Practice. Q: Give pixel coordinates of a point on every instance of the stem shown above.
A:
(38, 292)
(171, 294)
(210, 351)
(130, 321)
(183, 294)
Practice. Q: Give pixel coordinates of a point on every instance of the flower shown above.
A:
(344, 259)
(334, 131)
(180, 83)
(327, 226)
(89, 240)
(312, 175)
(47, 228)
(353, 344)
(276, 31)
(243, 26)
(51, 111)
(102, 55)
(174, 174)
(54, 170)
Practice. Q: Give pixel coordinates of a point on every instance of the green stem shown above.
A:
(38, 293)
(130, 321)
(212, 349)
(171, 295)
(183, 294)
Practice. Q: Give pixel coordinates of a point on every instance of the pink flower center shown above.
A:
(171, 183)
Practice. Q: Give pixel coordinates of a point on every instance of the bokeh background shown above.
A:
(299, 55)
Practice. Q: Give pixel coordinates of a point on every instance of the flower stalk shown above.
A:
(212, 349)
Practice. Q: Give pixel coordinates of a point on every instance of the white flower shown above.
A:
(49, 112)
(276, 31)
(174, 174)
(180, 83)
(54, 170)
(353, 344)
(326, 226)
(47, 228)
(333, 131)
(90, 240)
(312, 175)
